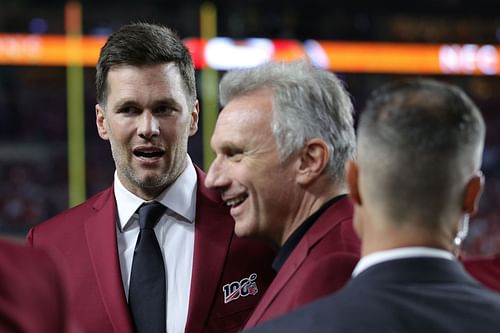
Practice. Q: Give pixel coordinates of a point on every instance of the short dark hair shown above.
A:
(421, 140)
(139, 44)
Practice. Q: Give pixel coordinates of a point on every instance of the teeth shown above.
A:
(235, 201)
(149, 154)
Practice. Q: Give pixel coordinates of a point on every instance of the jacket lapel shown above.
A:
(328, 220)
(291, 265)
(101, 239)
(212, 240)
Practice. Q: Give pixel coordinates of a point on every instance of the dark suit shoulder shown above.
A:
(457, 309)
(441, 300)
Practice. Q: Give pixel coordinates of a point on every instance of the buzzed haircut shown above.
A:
(419, 140)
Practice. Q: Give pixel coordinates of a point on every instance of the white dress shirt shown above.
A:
(175, 234)
(399, 253)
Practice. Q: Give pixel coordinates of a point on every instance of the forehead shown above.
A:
(245, 117)
(145, 80)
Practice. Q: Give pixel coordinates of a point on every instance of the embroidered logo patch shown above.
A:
(245, 287)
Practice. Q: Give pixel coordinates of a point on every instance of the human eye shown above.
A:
(129, 110)
(164, 110)
(234, 154)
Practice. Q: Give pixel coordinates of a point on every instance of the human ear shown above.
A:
(473, 191)
(195, 113)
(313, 161)
(352, 176)
(100, 120)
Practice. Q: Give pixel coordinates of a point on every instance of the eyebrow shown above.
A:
(228, 146)
(127, 101)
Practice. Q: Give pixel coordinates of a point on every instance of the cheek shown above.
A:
(175, 131)
(268, 195)
(277, 197)
(118, 138)
(175, 140)
(121, 129)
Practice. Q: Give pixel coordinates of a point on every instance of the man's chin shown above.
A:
(242, 229)
(151, 181)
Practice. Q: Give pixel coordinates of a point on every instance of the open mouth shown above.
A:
(149, 153)
(235, 202)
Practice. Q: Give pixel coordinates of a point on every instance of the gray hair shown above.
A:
(307, 103)
(419, 141)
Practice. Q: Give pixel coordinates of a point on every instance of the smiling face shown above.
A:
(147, 120)
(247, 170)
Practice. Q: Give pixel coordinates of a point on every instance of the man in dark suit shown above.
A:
(33, 295)
(485, 269)
(147, 108)
(281, 142)
(416, 181)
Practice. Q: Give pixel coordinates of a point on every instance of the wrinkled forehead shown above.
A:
(244, 118)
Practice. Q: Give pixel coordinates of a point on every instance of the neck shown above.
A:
(391, 236)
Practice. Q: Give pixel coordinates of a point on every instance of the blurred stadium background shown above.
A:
(458, 39)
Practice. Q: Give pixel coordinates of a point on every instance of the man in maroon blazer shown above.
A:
(33, 295)
(485, 269)
(209, 280)
(281, 142)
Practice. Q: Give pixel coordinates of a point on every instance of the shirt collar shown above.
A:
(399, 253)
(294, 239)
(179, 197)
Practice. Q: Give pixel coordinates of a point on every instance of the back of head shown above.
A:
(419, 143)
(139, 44)
(307, 103)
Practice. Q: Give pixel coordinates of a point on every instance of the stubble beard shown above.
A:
(152, 183)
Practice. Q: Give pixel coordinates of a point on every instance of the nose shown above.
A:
(148, 125)
(216, 176)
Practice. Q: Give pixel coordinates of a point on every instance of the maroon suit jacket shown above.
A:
(321, 263)
(485, 269)
(86, 237)
(33, 297)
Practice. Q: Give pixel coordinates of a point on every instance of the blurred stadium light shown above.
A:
(226, 53)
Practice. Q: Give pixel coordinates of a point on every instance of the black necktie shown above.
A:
(147, 280)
